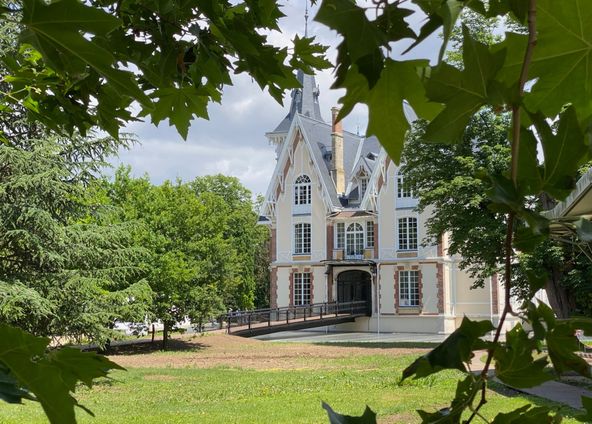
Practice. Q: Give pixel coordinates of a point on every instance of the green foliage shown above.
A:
(65, 270)
(446, 179)
(368, 417)
(203, 242)
(509, 95)
(514, 363)
(454, 352)
(29, 371)
(182, 54)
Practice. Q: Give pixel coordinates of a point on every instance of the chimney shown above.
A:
(337, 171)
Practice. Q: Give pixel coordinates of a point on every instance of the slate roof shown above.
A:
(305, 106)
(355, 148)
(305, 101)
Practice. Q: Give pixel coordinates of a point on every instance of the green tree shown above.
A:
(61, 274)
(73, 69)
(545, 50)
(446, 180)
(203, 241)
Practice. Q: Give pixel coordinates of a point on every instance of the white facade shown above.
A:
(330, 246)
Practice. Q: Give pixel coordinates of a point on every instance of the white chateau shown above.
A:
(344, 228)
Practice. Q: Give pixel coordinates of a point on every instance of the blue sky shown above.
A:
(233, 141)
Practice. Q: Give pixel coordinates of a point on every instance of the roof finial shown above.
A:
(306, 18)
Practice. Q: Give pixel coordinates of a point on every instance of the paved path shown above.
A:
(343, 337)
(551, 390)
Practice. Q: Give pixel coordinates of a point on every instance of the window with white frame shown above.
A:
(369, 234)
(302, 190)
(407, 233)
(301, 288)
(408, 288)
(340, 235)
(302, 239)
(403, 190)
(363, 186)
(354, 240)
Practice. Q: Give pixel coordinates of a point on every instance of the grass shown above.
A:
(231, 394)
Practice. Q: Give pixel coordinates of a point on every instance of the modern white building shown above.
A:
(344, 227)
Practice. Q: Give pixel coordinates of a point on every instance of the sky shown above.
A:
(233, 141)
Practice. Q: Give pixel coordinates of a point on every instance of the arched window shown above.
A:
(354, 240)
(408, 233)
(302, 193)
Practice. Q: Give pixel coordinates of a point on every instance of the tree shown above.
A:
(203, 240)
(538, 52)
(552, 56)
(73, 69)
(63, 274)
(446, 179)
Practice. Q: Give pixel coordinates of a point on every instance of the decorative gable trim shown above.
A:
(285, 160)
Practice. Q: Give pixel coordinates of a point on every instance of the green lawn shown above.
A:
(230, 394)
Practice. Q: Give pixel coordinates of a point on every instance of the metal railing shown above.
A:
(289, 314)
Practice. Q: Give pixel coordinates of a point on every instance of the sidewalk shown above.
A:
(555, 391)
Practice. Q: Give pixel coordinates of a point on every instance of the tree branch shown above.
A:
(532, 40)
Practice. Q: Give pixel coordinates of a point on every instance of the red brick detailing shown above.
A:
(273, 288)
(336, 126)
(376, 240)
(286, 169)
(440, 286)
(380, 183)
(294, 270)
(311, 284)
(396, 282)
(440, 248)
(273, 245)
(419, 284)
(330, 285)
(329, 241)
(494, 294)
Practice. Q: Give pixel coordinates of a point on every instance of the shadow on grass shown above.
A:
(382, 345)
(146, 346)
(506, 391)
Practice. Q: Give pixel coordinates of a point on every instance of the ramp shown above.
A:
(266, 321)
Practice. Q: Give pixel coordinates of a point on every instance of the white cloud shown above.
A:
(233, 141)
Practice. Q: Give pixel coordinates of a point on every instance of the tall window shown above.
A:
(302, 239)
(354, 239)
(301, 288)
(408, 288)
(340, 235)
(403, 191)
(363, 186)
(408, 233)
(370, 234)
(302, 190)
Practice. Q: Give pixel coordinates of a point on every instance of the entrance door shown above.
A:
(353, 286)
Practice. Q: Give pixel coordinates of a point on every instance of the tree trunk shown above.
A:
(165, 335)
(561, 302)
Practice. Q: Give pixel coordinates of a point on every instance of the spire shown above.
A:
(305, 100)
(306, 18)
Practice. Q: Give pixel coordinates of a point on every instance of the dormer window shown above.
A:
(363, 186)
(302, 190)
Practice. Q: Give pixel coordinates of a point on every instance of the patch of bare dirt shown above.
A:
(160, 377)
(217, 350)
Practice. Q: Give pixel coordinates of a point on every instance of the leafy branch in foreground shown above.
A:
(545, 49)
(73, 69)
(28, 370)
